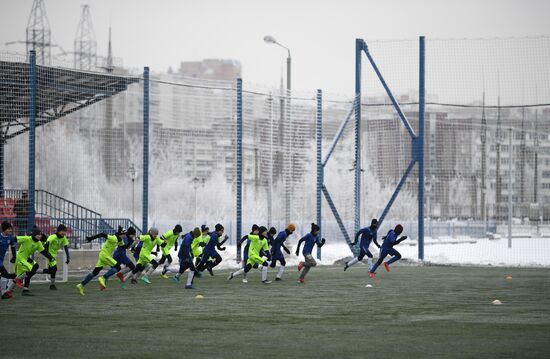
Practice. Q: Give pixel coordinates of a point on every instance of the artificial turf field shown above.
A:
(412, 312)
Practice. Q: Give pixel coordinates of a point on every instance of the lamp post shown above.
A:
(133, 174)
(286, 171)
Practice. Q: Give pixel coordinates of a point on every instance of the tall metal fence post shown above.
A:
(420, 144)
(510, 187)
(359, 47)
(145, 204)
(239, 188)
(32, 139)
(319, 136)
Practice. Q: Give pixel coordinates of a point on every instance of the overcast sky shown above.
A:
(320, 33)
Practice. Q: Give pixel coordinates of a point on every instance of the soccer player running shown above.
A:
(186, 257)
(255, 231)
(390, 240)
(150, 240)
(210, 257)
(53, 244)
(368, 234)
(310, 240)
(105, 259)
(258, 246)
(25, 266)
(121, 256)
(6, 240)
(278, 243)
(171, 240)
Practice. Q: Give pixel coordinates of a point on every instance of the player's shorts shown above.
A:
(255, 259)
(22, 266)
(143, 259)
(52, 263)
(105, 261)
(123, 259)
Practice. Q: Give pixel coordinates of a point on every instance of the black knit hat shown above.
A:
(374, 222)
(6, 226)
(315, 227)
(178, 229)
(272, 231)
(61, 228)
(262, 229)
(218, 227)
(35, 231)
(204, 228)
(255, 227)
(131, 231)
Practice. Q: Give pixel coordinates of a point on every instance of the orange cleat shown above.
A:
(18, 283)
(300, 266)
(371, 275)
(387, 266)
(120, 276)
(301, 280)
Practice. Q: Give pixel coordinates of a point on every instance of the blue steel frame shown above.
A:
(320, 172)
(145, 204)
(32, 139)
(417, 139)
(239, 189)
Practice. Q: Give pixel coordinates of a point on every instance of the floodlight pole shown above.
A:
(32, 140)
(145, 204)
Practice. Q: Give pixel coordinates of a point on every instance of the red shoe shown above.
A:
(300, 266)
(371, 275)
(387, 266)
(7, 295)
(301, 280)
(120, 276)
(103, 289)
(18, 283)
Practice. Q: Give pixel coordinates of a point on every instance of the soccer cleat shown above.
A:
(387, 266)
(346, 267)
(176, 279)
(266, 281)
(278, 279)
(133, 281)
(210, 271)
(7, 295)
(26, 293)
(18, 283)
(123, 286)
(164, 276)
(190, 286)
(245, 280)
(80, 288)
(120, 276)
(230, 276)
(53, 287)
(145, 280)
(102, 283)
(371, 275)
(300, 266)
(301, 280)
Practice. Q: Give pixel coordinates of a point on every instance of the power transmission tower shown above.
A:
(85, 45)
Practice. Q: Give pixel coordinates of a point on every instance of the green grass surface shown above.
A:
(412, 312)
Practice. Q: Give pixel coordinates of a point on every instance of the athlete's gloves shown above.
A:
(322, 242)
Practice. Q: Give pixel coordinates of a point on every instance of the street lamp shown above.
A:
(271, 40)
(133, 174)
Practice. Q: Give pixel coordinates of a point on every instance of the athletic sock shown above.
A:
(125, 270)
(87, 278)
(190, 277)
(52, 280)
(369, 263)
(264, 273)
(280, 272)
(238, 273)
(150, 270)
(110, 273)
(353, 261)
(304, 271)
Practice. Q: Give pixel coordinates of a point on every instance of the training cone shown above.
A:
(199, 296)
(368, 286)
(497, 302)
(509, 277)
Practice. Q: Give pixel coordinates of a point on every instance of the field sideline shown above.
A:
(412, 312)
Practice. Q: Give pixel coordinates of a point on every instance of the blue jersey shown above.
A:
(390, 240)
(120, 250)
(278, 241)
(309, 241)
(5, 242)
(185, 248)
(137, 249)
(212, 243)
(367, 235)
